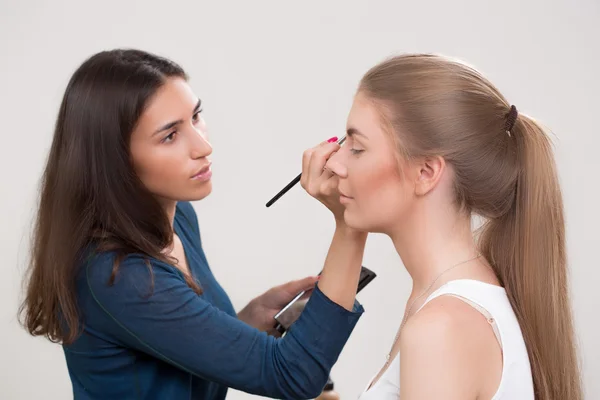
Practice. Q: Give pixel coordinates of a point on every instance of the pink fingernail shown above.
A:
(333, 139)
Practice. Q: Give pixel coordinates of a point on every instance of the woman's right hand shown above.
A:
(320, 182)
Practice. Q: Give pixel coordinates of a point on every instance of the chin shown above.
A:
(355, 222)
(363, 224)
(200, 193)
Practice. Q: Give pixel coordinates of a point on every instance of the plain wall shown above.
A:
(276, 78)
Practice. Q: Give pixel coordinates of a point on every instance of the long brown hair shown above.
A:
(507, 174)
(90, 195)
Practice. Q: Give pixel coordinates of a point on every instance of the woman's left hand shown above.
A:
(261, 311)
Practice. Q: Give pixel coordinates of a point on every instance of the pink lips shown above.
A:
(344, 199)
(204, 174)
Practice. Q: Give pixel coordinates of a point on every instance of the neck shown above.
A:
(432, 242)
(169, 206)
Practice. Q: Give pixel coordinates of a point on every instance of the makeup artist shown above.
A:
(118, 275)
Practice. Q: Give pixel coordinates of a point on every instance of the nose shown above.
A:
(337, 163)
(199, 145)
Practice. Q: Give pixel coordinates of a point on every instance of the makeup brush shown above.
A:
(293, 182)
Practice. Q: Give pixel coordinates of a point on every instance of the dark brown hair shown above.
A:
(90, 194)
(437, 106)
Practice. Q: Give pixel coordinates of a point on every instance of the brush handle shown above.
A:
(294, 182)
(284, 190)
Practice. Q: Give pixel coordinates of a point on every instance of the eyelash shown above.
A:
(355, 152)
(196, 116)
(169, 137)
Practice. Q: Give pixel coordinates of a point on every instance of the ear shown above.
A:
(429, 173)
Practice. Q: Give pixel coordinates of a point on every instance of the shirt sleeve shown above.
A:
(150, 308)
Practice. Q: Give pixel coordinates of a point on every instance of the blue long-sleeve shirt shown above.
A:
(150, 336)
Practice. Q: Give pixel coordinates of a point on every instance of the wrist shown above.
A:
(245, 314)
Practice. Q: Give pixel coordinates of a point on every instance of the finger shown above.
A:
(327, 173)
(307, 176)
(319, 158)
(306, 157)
(330, 140)
(307, 283)
(306, 295)
(333, 164)
(329, 186)
(295, 287)
(305, 167)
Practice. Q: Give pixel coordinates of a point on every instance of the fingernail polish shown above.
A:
(333, 139)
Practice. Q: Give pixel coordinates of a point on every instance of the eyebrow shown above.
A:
(179, 121)
(353, 131)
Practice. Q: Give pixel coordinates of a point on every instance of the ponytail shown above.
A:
(526, 247)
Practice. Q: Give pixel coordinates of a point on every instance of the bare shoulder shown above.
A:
(447, 316)
(445, 324)
(443, 350)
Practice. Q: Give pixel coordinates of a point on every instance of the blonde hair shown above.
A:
(437, 106)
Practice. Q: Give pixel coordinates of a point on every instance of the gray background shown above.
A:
(278, 77)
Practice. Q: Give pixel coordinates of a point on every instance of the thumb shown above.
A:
(299, 285)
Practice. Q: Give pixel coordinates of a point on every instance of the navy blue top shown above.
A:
(150, 336)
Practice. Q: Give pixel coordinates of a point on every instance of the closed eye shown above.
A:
(356, 151)
(196, 116)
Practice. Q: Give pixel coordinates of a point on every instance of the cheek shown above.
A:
(159, 170)
(381, 198)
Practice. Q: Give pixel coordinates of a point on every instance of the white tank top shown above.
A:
(516, 382)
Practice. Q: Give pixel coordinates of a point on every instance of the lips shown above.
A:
(203, 174)
(343, 194)
(344, 199)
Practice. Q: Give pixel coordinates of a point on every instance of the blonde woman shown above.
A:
(431, 143)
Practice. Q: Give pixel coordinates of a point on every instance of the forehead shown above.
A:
(174, 100)
(365, 117)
